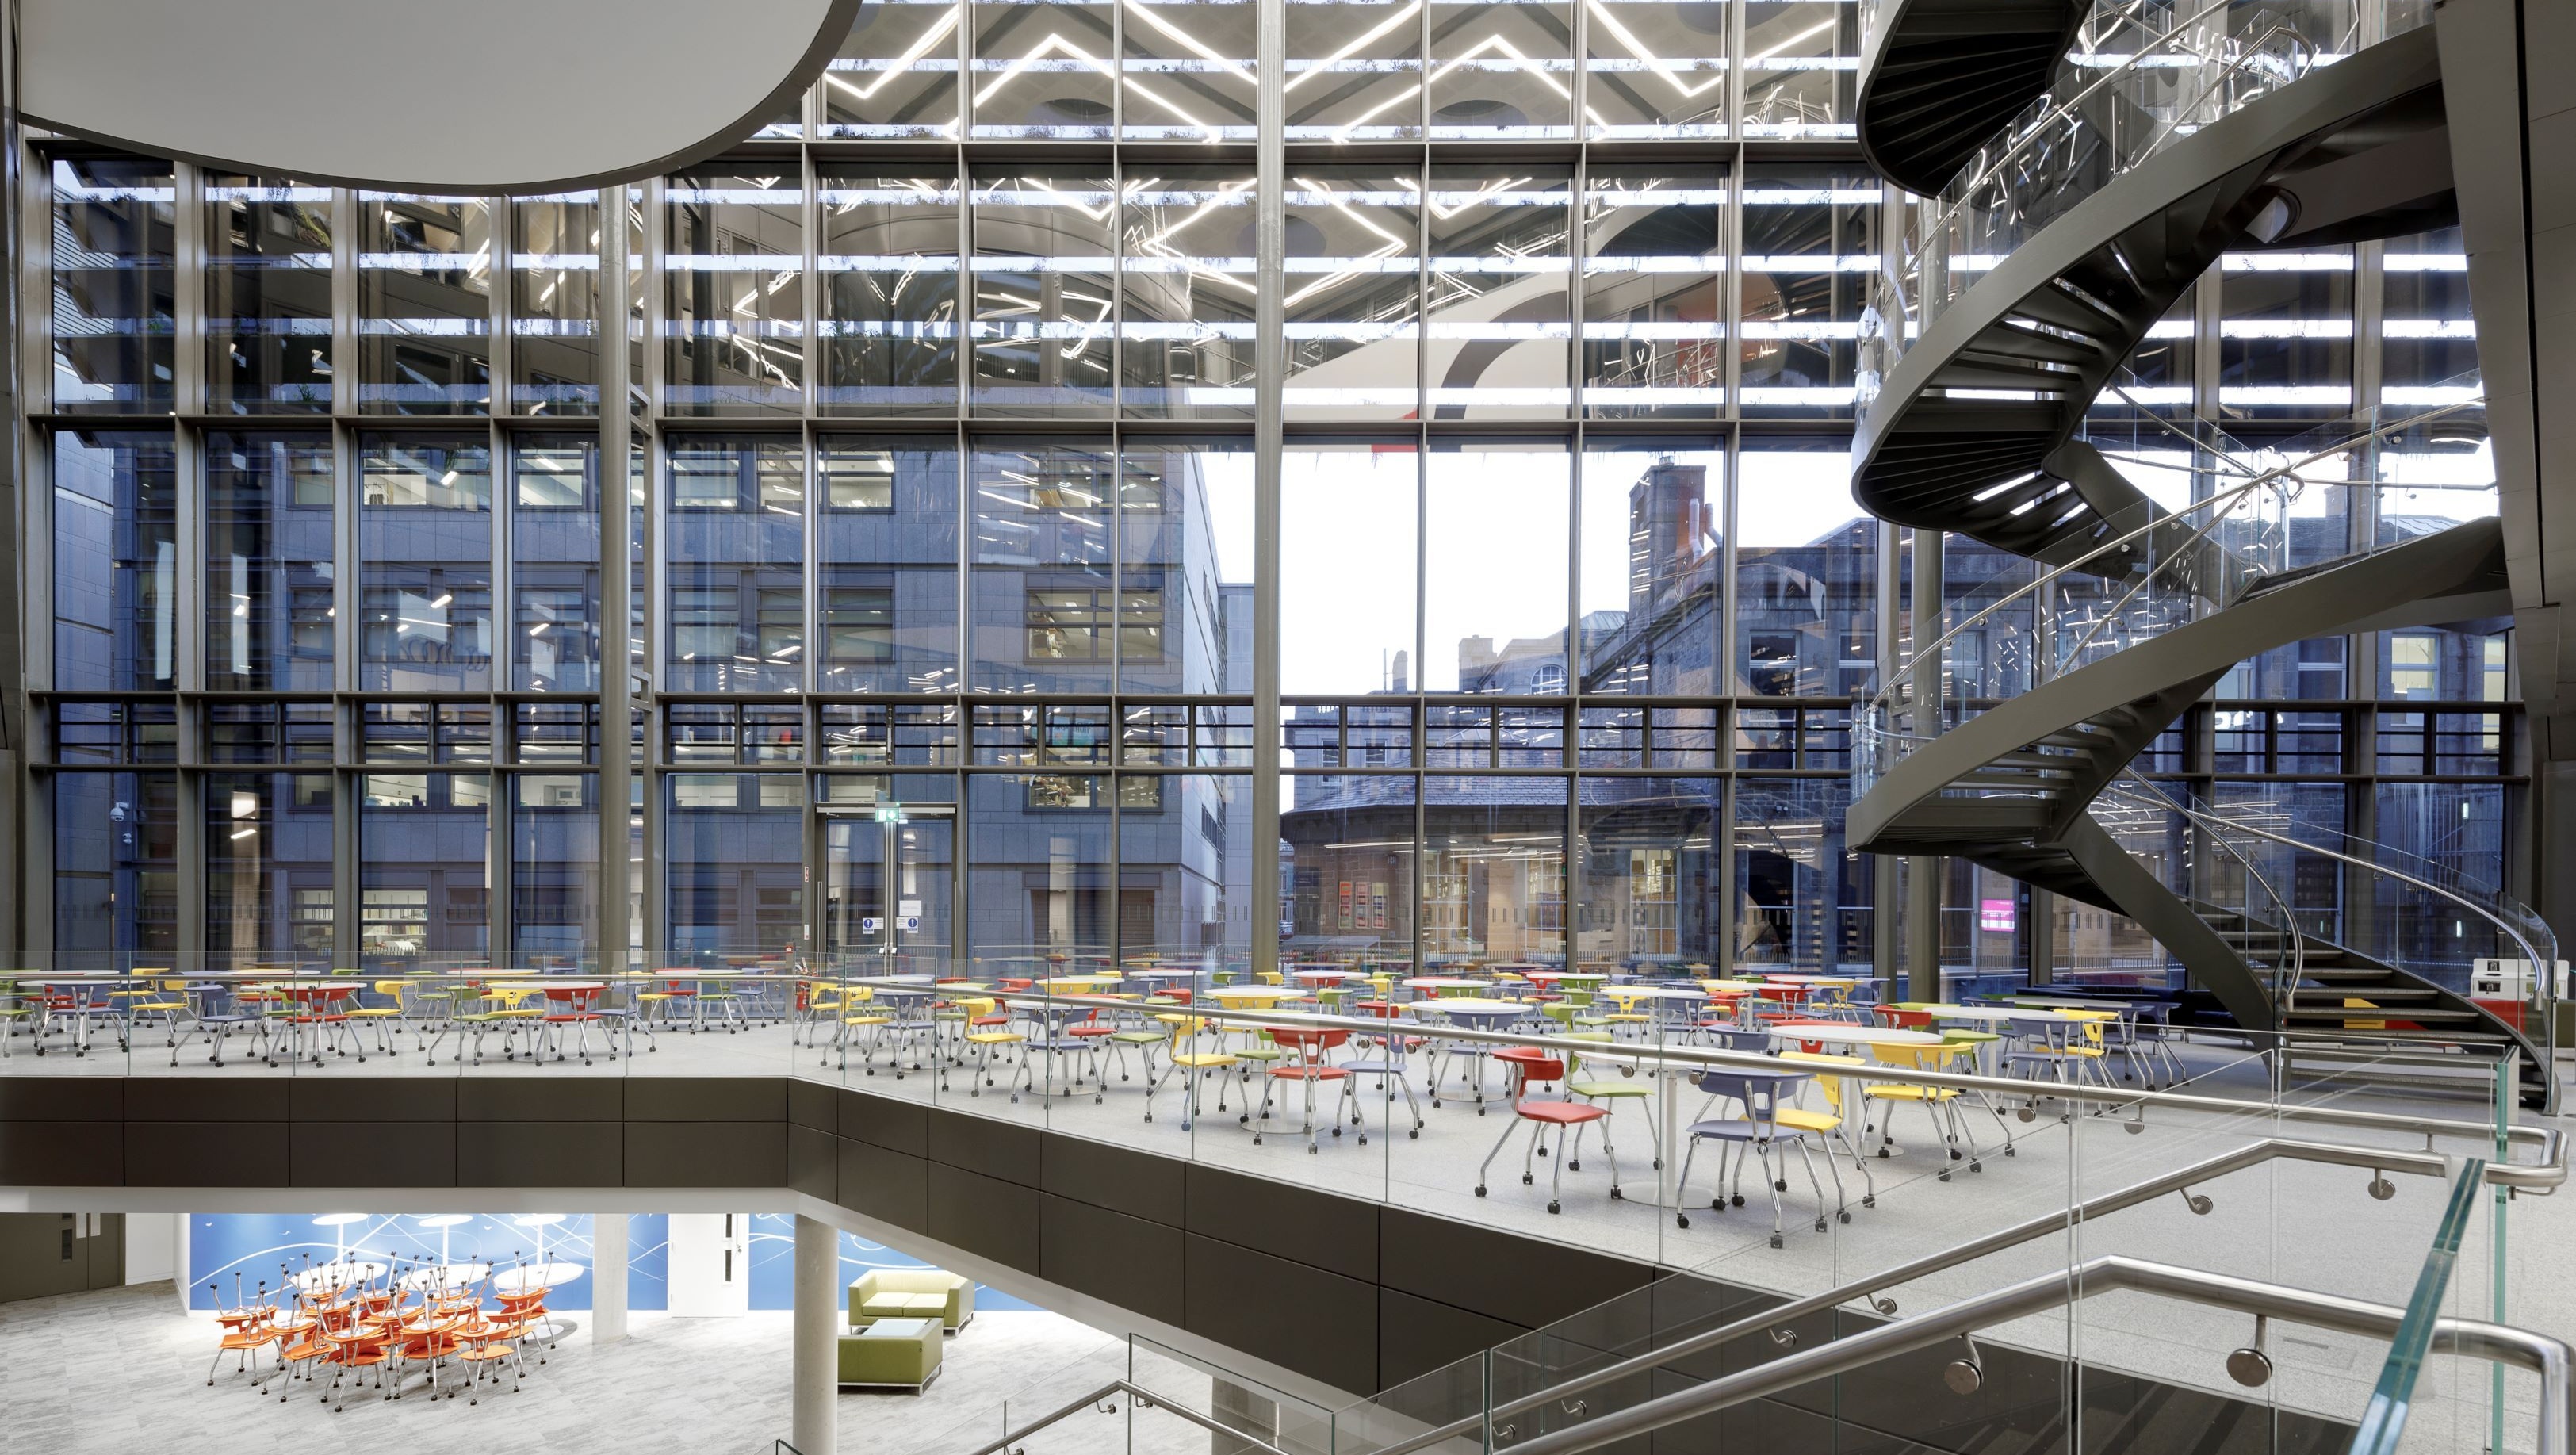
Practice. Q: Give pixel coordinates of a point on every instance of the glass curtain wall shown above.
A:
(944, 574)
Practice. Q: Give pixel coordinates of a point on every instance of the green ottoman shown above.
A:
(892, 1354)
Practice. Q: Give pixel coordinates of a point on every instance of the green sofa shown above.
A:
(892, 1354)
(912, 1293)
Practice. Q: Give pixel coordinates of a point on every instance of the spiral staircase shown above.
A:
(2045, 257)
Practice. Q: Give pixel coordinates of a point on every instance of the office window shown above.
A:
(425, 269)
(268, 296)
(1354, 70)
(270, 612)
(1188, 287)
(113, 299)
(889, 542)
(889, 258)
(1810, 250)
(1353, 301)
(1500, 335)
(896, 75)
(425, 563)
(554, 302)
(117, 617)
(736, 573)
(1044, 69)
(734, 333)
(1655, 69)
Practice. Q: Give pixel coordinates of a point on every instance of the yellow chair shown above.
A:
(377, 1015)
(1199, 1065)
(167, 999)
(1833, 1123)
(1939, 1103)
(984, 1034)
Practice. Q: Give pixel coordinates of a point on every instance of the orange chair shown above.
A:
(1306, 1064)
(246, 1332)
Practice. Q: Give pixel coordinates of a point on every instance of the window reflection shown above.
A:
(1045, 294)
(268, 295)
(270, 614)
(1044, 68)
(1184, 565)
(115, 570)
(889, 563)
(1652, 572)
(554, 526)
(2285, 334)
(1810, 250)
(554, 303)
(736, 518)
(425, 552)
(1806, 574)
(1498, 278)
(1499, 70)
(1656, 69)
(424, 304)
(1649, 877)
(1188, 71)
(1654, 316)
(116, 881)
(896, 75)
(113, 267)
(1801, 67)
(1353, 296)
(736, 328)
(889, 263)
(1354, 70)
(1187, 334)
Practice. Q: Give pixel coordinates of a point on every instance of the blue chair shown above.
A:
(1758, 1134)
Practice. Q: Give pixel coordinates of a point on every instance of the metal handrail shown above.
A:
(1145, 1399)
(1872, 1286)
(1886, 699)
(2549, 1169)
(2285, 977)
(2538, 965)
(2549, 1358)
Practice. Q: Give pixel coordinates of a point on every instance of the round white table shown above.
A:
(330, 1276)
(1852, 1033)
(1262, 994)
(452, 1276)
(536, 1275)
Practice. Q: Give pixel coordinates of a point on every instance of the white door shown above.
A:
(710, 1264)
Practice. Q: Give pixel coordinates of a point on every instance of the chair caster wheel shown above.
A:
(1337, 1131)
(1480, 1189)
(1573, 1166)
(1717, 1203)
(1777, 1241)
(1415, 1134)
(1844, 1214)
(1945, 1174)
(1956, 1154)
(1554, 1208)
(1313, 1150)
(1659, 1164)
(1528, 1181)
(1976, 1166)
(2010, 1150)
(1617, 1196)
(1256, 1139)
(1780, 1186)
(1363, 1139)
(1737, 1199)
(1820, 1225)
(1870, 1201)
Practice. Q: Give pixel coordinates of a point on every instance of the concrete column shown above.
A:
(608, 1262)
(815, 1426)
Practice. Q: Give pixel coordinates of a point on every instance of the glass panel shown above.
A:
(554, 304)
(1655, 69)
(1810, 248)
(1353, 296)
(114, 268)
(1806, 574)
(554, 529)
(1801, 67)
(424, 304)
(1801, 897)
(268, 296)
(1493, 871)
(1354, 70)
(1038, 874)
(116, 560)
(1189, 70)
(2285, 335)
(1347, 527)
(889, 559)
(425, 563)
(737, 862)
(889, 852)
(1184, 566)
(424, 860)
(268, 867)
(554, 867)
(1499, 329)
(1652, 572)
(736, 523)
(116, 881)
(896, 75)
(1044, 68)
(1654, 315)
(1499, 70)
(1043, 588)
(889, 263)
(1045, 292)
(1494, 573)
(1346, 855)
(1185, 871)
(1189, 288)
(2427, 334)
(736, 327)
(1649, 867)
(269, 561)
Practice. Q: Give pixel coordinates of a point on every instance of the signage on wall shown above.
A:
(1996, 915)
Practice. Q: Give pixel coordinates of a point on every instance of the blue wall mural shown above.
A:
(261, 1248)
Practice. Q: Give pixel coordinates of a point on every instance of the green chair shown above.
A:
(1572, 1019)
(892, 1354)
(1580, 1081)
(912, 1293)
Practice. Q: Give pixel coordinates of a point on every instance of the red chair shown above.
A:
(1306, 1064)
(567, 1006)
(1529, 1066)
(1903, 1020)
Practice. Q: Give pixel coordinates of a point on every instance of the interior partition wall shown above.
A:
(958, 585)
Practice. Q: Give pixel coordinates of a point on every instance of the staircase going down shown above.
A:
(1980, 431)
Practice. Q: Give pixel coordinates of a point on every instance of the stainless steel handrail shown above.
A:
(1144, 1398)
(2286, 976)
(2549, 1358)
(1872, 1286)
(2548, 1171)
